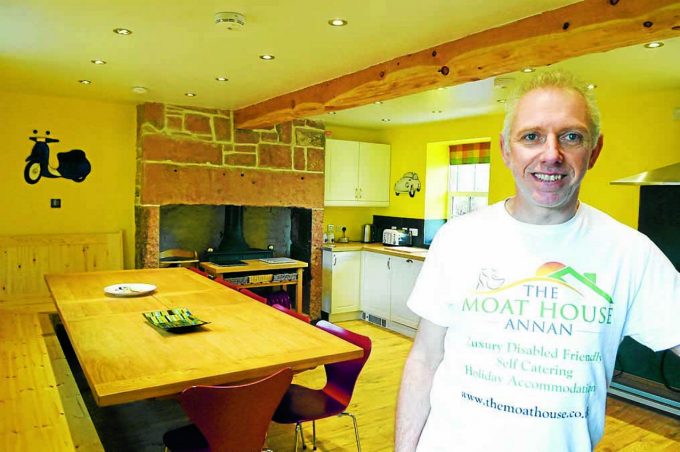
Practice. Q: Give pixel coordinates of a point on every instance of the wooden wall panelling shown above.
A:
(25, 259)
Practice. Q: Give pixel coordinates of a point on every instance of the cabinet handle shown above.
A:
(410, 261)
(388, 263)
(335, 260)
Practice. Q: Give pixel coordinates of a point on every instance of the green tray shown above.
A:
(173, 320)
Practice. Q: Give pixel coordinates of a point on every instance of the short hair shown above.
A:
(554, 79)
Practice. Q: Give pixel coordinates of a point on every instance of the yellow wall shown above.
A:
(104, 201)
(639, 134)
(437, 177)
(410, 150)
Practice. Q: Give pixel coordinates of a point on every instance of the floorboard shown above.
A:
(140, 426)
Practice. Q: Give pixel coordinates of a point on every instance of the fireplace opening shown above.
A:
(243, 231)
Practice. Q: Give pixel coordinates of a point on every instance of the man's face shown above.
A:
(549, 149)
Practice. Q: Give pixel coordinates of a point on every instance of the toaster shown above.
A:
(396, 237)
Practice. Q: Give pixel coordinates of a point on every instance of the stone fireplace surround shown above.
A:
(194, 156)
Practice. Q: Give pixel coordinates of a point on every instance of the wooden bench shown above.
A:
(41, 406)
(33, 416)
(26, 259)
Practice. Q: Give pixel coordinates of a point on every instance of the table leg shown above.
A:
(208, 271)
(298, 291)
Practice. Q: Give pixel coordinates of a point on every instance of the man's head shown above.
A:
(551, 138)
(554, 79)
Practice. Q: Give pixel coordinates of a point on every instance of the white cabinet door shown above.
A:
(403, 274)
(341, 173)
(346, 281)
(374, 174)
(357, 174)
(375, 284)
(340, 282)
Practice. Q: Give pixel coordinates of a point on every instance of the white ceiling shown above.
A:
(46, 46)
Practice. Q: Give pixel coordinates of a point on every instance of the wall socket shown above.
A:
(331, 228)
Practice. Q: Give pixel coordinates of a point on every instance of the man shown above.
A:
(526, 366)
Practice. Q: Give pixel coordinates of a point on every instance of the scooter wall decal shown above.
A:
(72, 164)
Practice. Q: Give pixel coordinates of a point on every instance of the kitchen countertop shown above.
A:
(400, 251)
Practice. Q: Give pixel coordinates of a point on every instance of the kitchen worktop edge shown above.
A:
(376, 248)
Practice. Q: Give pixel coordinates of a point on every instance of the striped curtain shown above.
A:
(464, 154)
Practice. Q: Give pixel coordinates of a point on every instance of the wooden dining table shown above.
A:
(125, 358)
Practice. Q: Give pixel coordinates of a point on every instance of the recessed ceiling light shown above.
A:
(122, 31)
(527, 70)
(85, 82)
(190, 94)
(97, 61)
(139, 90)
(221, 79)
(441, 88)
(378, 102)
(385, 119)
(591, 86)
(654, 45)
(337, 22)
(267, 57)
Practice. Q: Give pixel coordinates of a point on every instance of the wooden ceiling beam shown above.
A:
(581, 28)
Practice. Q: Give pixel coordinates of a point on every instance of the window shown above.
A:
(468, 177)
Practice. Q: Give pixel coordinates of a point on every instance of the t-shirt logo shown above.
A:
(556, 300)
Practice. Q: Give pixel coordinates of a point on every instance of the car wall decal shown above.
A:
(72, 164)
(408, 183)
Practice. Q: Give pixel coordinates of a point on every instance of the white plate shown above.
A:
(129, 289)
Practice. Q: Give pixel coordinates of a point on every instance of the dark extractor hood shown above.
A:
(234, 248)
(666, 175)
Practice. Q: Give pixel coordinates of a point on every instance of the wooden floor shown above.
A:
(629, 428)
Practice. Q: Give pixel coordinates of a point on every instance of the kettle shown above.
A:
(368, 233)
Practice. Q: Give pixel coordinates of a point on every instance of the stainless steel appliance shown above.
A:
(368, 234)
(647, 377)
(396, 237)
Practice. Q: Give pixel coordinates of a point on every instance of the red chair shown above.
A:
(228, 418)
(297, 315)
(253, 295)
(301, 404)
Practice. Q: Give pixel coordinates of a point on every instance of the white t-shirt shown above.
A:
(535, 314)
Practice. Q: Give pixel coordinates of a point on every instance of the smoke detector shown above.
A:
(233, 21)
(502, 82)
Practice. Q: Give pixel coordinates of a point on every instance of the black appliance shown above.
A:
(233, 247)
(642, 375)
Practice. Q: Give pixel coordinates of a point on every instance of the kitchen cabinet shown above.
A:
(386, 283)
(403, 275)
(375, 276)
(340, 277)
(357, 173)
